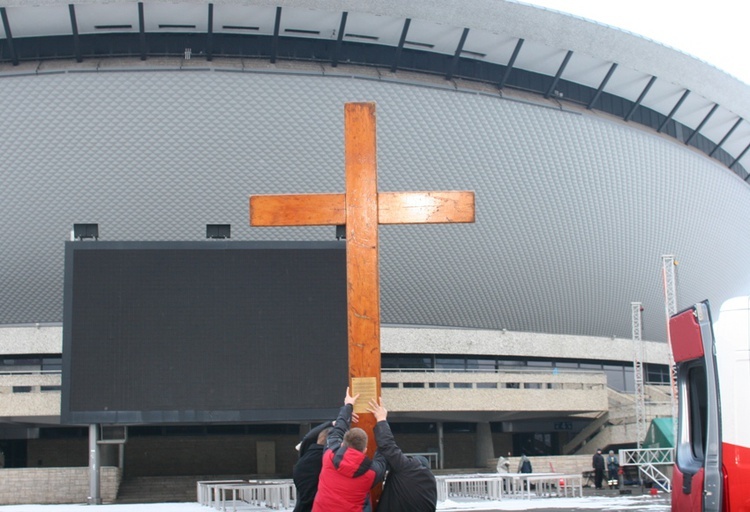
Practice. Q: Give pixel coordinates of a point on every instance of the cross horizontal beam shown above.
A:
(434, 207)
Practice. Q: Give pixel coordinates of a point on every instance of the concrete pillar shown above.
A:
(441, 451)
(121, 458)
(95, 496)
(485, 449)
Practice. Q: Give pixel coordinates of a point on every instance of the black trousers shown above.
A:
(598, 477)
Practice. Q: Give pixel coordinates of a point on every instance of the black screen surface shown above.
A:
(184, 332)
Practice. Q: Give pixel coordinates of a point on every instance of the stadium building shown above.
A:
(592, 153)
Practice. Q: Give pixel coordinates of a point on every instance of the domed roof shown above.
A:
(592, 152)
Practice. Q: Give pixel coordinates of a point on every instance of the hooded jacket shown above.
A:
(347, 474)
(307, 469)
(410, 485)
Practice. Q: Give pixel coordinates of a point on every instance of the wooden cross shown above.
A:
(361, 209)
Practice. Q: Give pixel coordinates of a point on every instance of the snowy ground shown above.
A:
(632, 503)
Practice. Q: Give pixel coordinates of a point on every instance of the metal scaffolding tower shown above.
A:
(640, 390)
(669, 264)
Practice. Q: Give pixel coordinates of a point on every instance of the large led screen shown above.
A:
(215, 331)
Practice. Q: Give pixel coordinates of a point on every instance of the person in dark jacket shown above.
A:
(524, 465)
(598, 463)
(347, 474)
(307, 469)
(410, 485)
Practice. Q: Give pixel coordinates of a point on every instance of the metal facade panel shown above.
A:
(573, 211)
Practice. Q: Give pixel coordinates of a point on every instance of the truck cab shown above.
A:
(712, 457)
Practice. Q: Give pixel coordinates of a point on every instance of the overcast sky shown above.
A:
(715, 31)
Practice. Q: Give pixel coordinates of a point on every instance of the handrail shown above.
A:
(31, 372)
(511, 369)
(635, 457)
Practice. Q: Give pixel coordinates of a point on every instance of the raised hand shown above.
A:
(378, 410)
(349, 399)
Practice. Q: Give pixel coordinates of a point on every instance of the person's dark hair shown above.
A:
(323, 435)
(356, 438)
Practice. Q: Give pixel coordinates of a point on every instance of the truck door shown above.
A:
(696, 480)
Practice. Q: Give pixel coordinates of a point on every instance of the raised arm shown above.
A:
(341, 425)
(387, 446)
(312, 437)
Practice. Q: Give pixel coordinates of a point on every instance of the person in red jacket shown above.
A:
(347, 474)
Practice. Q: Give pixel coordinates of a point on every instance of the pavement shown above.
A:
(632, 499)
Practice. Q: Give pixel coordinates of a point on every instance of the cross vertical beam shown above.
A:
(362, 274)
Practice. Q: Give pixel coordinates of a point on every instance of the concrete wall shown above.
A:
(54, 485)
(536, 391)
(568, 464)
(33, 403)
(48, 340)
(429, 340)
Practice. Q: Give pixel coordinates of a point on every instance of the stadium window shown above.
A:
(543, 364)
(51, 364)
(440, 385)
(657, 373)
(389, 384)
(388, 362)
(486, 385)
(462, 385)
(629, 379)
(565, 364)
(450, 363)
(481, 365)
(416, 362)
(413, 384)
(413, 428)
(391, 361)
(591, 366)
(510, 362)
(615, 376)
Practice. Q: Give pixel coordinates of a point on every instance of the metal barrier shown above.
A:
(647, 461)
(497, 486)
(220, 494)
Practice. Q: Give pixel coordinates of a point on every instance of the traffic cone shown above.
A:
(653, 491)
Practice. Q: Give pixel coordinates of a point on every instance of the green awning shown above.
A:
(660, 434)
